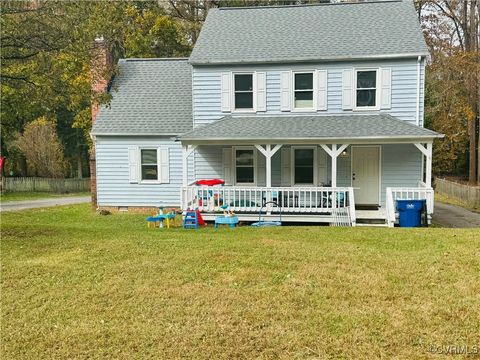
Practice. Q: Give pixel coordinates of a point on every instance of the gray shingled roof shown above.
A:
(309, 33)
(318, 127)
(149, 97)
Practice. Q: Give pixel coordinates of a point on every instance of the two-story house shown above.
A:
(317, 108)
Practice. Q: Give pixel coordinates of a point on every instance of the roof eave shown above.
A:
(308, 60)
(150, 134)
(403, 138)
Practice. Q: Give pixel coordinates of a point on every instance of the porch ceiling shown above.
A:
(298, 129)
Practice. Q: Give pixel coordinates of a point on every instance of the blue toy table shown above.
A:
(160, 218)
(232, 221)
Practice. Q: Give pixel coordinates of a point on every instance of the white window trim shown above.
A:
(234, 155)
(314, 91)
(292, 165)
(254, 92)
(140, 180)
(377, 90)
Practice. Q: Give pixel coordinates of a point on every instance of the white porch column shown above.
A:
(428, 169)
(268, 152)
(186, 151)
(334, 165)
(427, 152)
(334, 152)
(268, 166)
(184, 166)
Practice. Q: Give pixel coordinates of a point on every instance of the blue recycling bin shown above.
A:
(410, 212)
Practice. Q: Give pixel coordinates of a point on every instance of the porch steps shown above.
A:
(373, 218)
(371, 225)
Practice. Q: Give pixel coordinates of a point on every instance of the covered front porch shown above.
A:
(308, 178)
(297, 204)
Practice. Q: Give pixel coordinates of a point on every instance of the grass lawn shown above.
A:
(78, 285)
(22, 196)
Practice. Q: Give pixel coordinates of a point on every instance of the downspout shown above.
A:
(419, 62)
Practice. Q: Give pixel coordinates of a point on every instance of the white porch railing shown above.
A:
(407, 193)
(291, 200)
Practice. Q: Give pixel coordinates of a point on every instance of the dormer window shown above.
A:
(366, 89)
(303, 90)
(243, 91)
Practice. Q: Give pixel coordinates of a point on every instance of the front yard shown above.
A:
(78, 285)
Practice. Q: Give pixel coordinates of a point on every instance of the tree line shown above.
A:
(45, 68)
(452, 104)
(47, 50)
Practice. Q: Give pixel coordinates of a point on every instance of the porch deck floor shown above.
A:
(362, 215)
(298, 217)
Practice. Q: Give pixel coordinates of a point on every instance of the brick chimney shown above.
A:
(100, 69)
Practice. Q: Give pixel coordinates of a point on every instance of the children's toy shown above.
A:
(226, 210)
(170, 216)
(158, 219)
(264, 223)
(200, 219)
(231, 221)
(192, 219)
(210, 182)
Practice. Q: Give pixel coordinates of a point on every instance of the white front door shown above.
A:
(365, 174)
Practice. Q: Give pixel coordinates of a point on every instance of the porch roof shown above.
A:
(322, 128)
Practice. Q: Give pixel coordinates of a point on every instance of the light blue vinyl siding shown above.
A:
(400, 166)
(113, 185)
(207, 88)
(208, 162)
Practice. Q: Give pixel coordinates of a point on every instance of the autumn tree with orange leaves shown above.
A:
(452, 31)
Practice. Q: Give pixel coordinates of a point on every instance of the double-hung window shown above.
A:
(303, 90)
(303, 166)
(243, 91)
(244, 166)
(366, 89)
(149, 164)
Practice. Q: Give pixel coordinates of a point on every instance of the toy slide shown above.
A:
(200, 219)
